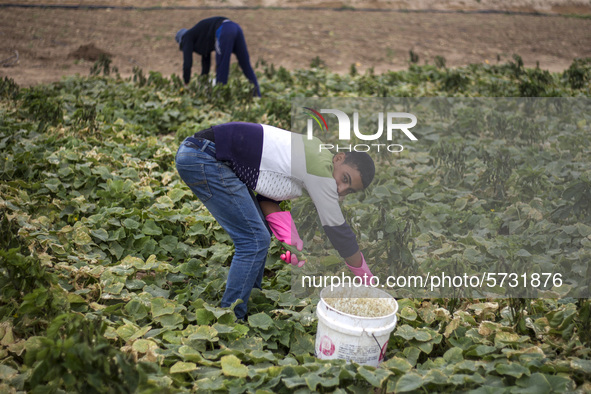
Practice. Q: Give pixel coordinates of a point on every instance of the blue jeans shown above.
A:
(233, 205)
(229, 39)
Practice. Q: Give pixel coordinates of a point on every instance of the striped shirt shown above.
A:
(278, 164)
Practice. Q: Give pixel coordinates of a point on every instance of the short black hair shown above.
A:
(364, 164)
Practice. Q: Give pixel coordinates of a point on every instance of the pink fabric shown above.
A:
(284, 228)
(362, 270)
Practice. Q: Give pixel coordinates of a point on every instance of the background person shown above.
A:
(224, 164)
(221, 35)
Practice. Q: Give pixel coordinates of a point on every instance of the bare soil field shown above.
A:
(66, 37)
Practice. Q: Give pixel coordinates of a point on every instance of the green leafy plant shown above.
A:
(28, 292)
(413, 57)
(317, 62)
(578, 74)
(440, 61)
(43, 107)
(111, 271)
(103, 65)
(75, 356)
(8, 88)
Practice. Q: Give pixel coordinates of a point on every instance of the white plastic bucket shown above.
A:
(362, 340)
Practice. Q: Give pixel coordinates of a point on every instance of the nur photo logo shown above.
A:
(390, 125)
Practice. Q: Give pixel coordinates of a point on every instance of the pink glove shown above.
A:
(292, 259)
(362, 271)
(284, 228)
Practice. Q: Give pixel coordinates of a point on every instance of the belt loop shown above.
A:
(205, 145)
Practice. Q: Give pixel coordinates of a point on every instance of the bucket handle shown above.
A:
(376, 339)
(379, 345)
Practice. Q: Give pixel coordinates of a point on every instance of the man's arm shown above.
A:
(269, 207)
(325, 198)
(205, 64)
(187, 60)
(355, 260)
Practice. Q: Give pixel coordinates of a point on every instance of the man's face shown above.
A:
(348, 178)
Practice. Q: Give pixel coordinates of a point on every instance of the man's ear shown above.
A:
(339, 157)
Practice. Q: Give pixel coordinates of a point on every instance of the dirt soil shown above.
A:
(53, 42)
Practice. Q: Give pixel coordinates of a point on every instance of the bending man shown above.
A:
(225, 37)
(224, 164)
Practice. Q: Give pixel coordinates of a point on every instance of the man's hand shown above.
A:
(284, 228)
(292, 259)
(362, 271)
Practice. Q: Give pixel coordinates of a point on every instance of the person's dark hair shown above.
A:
(364, 164)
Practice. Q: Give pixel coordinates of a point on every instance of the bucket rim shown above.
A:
(362, 317)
